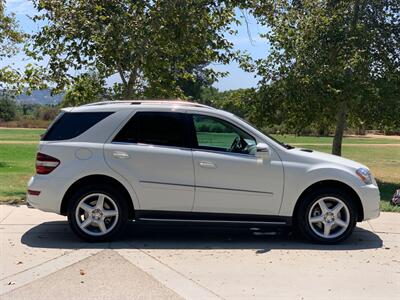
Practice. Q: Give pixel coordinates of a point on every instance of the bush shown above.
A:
(26, 123)
(46, 113)
(8, 109)
(210, 126)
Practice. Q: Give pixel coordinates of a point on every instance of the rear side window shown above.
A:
(72, 124)
(154, 128)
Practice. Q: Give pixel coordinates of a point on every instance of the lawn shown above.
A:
(20, 134)
(292, 139)
(18, 148)
(16, 167)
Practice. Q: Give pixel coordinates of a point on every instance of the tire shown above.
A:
(330, 224)
(97, 213)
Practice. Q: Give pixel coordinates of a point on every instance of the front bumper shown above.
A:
(370, 199)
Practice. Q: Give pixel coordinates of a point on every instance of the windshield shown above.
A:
(287, 146)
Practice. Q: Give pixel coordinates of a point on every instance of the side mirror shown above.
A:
(263, 151)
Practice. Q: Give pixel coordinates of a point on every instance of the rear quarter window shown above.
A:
(72, 124)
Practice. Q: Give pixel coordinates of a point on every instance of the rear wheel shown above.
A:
(97, 213)
(327, 216)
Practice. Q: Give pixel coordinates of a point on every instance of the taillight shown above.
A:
(45, 163)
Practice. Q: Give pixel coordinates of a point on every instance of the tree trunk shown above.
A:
(340, 126)
(341, 115)
(129, 91)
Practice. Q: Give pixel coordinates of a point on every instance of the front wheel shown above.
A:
(97, 213)
(327, 216)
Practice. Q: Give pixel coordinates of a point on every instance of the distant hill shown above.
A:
(40, 97)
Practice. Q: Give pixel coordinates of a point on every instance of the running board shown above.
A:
(210, 218)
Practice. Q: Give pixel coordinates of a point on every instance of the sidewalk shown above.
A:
(40, 258)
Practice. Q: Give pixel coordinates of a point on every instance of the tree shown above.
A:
(87, 88)
(210, 96)
(193, 86)
(330, 60)
(8, 108)
(239, 102)
(46, 112)
(10, 37)
(11, 41)
(151, 45)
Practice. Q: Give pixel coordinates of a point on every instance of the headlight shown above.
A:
(365, 175)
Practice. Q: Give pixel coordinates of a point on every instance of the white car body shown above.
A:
(162, 178)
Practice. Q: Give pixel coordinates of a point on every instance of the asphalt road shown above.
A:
(40, 258)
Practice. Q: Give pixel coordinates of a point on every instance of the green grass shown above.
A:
(223, 140)
(16, 166)
(20, 134)
(17, 160)
(328, 140)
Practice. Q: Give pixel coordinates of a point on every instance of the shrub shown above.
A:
(8, 108)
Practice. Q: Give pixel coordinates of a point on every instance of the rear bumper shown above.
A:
(51, 193)
(370, 199)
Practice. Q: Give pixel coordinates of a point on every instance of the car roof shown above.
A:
(141, 103)
(135, 104)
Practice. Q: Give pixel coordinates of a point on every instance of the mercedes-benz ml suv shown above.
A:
(180, 162)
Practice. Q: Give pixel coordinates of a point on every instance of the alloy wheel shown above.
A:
(96, 214)
(329, 217)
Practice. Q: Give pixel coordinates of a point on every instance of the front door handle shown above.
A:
(120, 154)
(207, 164)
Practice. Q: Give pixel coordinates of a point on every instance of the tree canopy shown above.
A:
(87, 88)
(330, 61)
(12, 40)
(10, 37)
(151, 45)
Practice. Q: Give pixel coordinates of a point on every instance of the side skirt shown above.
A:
(211, 219)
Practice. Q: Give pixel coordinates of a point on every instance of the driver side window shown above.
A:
(216, 134)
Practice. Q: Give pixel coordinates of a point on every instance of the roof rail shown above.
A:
(155, 102)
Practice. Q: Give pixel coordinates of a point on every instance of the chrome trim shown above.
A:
(235, 190)
(212, 221)
(186, 148)
(206, 187)
(167, 183)
(245, 155)
(151, 145)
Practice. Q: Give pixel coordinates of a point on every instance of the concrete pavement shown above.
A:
(40, 258)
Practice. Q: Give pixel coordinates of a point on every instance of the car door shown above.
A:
(151, 153)
(229, 178)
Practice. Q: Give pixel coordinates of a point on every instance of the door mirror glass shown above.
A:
(263, 151)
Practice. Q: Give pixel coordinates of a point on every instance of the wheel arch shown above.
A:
(97, 179)
(333, 184)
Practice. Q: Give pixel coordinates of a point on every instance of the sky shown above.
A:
(247, 39)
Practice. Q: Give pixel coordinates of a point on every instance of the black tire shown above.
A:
(121, 207)
(307, 203)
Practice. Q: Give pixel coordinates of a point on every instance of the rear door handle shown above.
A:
(120, 154)
(207, 164)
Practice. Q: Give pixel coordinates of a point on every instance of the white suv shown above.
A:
(180, 162)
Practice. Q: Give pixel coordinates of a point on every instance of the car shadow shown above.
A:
(58, 235)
